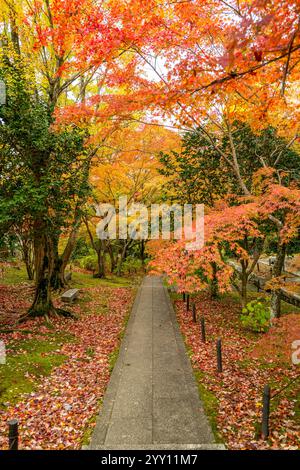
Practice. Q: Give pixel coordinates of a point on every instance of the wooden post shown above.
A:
(265, 412)
(13, 434)
(219, 356)
(194, 313)
(203, 336)
(183, 296)
(188, 302)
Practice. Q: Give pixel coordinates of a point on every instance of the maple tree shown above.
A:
(196, 174)
(235, 232)
(69, 61)
(191, 101)
(225, 62)
(127, 167)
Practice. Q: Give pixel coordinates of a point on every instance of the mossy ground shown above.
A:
(208, 399)
(87, 280)
(14, 276)
(17, 275)
(26, 362)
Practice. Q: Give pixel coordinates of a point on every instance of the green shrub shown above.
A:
(82, 249)
(256, 316)
(88, 262)
(131, 265)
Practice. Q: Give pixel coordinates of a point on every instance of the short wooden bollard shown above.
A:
(194, 314)
(13, 434)
(265, 412)
(203, 335)
(188, 302)
(219, 356)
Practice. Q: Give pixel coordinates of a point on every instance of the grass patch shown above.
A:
(87, 280)
(27, 361)
(14, 276)
(210, 405)
(208, 399)
(175, 296)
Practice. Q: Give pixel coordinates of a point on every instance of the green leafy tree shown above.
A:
(44, 175)
(198, 174)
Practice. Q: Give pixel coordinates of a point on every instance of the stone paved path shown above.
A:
(152, 399)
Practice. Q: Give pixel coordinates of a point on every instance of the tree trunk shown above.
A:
(27, 258)
(57, 278)
(42, 303)
(142, 253)
(244, 292)
(122, 257)
(60, 262)
(100, 261)
(277, 271)
(112, 258)
(101, 269)
(275, 304)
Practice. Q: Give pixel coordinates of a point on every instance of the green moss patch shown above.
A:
(26, 362)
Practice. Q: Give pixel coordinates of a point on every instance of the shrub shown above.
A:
(256, 316)
(131, 265)
(81, 249)
(88, 262)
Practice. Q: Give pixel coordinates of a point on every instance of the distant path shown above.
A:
(152, 400)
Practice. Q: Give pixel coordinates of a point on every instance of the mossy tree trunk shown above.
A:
(43, 250)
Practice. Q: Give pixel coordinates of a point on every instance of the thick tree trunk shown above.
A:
(58, 276)
(275, 304)
(42, 303)
(277, 271)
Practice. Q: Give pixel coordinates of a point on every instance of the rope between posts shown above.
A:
(286, 386)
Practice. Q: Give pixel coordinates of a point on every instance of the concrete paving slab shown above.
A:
(152, 400)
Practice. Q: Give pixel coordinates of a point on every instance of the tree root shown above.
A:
(54, 312)
(66, 313)
(16, 330)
